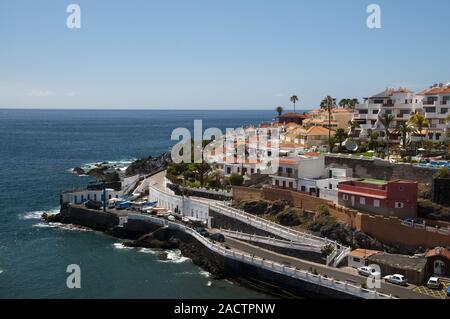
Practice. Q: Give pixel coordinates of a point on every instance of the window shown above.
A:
(402, 188)
(356, 260)
(291, 185)
(362, 201)
(376, 203)
(345, 197)
(303, 188)
(399, 205)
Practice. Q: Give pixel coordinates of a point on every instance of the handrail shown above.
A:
(283, 269)
(271, 241)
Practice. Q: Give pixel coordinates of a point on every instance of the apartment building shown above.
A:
(434, 102)
(398, 102)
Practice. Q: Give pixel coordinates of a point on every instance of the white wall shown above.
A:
(312, 167)
(80, 196)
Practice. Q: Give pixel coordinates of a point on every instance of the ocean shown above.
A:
(38, 148)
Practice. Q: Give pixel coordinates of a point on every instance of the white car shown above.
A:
(434, 283)
(396, 279)
(368, 272)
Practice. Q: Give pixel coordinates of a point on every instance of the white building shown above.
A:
(307, 174)
(398, 102)
(434, 102)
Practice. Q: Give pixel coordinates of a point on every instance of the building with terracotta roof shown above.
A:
(434, 102)
(438, 261)
(339, 118)
(360, 257)
(296, 118)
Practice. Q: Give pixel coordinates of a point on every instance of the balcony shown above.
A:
(429, 103)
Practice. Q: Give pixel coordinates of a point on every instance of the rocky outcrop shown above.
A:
(163, 238)
(149, 165)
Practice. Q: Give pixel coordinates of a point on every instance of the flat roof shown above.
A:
(373, 181)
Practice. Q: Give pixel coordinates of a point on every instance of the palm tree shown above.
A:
(329, 103)
(354, 102)
(279, 110)
(403, 130)
(340, 136)
(353, 126)
(386, 120)
(420, 122)
(294, 99)
(343, 102)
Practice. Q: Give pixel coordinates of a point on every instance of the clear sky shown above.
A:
(216, 54)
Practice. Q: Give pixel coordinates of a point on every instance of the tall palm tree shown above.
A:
(403, 130)
(279, 110)
(386, 120)
(340, 137)
(354, 102)
(328, 104)
(353, 125)
(420, 122)
(343, 102)
(294, 99)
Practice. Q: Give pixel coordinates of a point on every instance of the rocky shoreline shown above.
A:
(112, 172)
(160, 240)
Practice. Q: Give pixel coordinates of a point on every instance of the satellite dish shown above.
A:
(351, 145)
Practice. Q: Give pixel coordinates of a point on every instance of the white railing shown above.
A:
(295, 273)
(271, 241)
(263, 224)
(344, 253)
(331, 256)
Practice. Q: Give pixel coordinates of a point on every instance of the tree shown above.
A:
(349, 103)
(403, 130)
(279, 110)
(201, 169)
(386, 120)
(353, 126)
(328, 104)
(340, 136)
(420, 122)
(236, 179)
(294, 99)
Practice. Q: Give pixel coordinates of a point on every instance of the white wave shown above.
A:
(121, 246)
(204, 273)
(62, 226)
(209, 284)
(37, 214)
(175, 256)
(147, 251)
(120, 164)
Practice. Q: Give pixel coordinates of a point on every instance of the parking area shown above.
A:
(441, 294)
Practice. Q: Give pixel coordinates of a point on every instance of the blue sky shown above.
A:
(216, 54)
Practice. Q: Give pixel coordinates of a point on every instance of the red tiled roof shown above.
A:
(438, 251)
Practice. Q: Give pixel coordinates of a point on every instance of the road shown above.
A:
(336, 273)
(339, 274)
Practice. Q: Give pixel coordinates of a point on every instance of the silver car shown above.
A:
(434, 283)
(396, 279)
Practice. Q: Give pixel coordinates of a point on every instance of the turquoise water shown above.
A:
(37, 150)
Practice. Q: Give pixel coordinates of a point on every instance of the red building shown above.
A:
(395, 198)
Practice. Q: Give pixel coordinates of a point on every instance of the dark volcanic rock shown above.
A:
(290, 217)
(149, 165)
(159, 239)
(79, 171)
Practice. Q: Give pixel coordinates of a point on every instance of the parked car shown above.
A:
(368, 271)
(396, 279)
(434, 283)
(218, 237)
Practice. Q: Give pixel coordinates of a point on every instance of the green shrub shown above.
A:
(236, 179)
